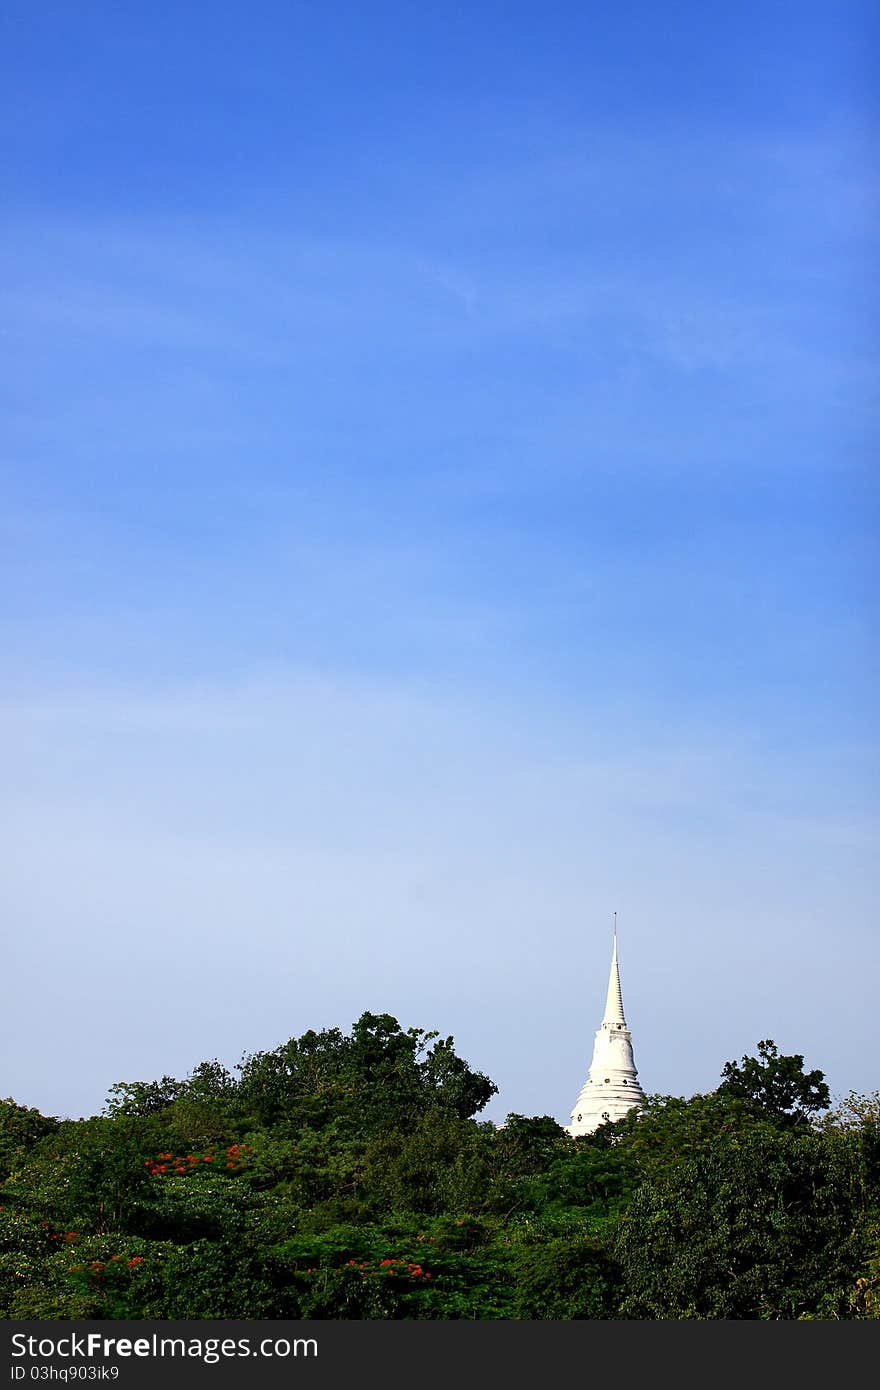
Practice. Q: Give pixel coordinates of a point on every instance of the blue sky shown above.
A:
(439, 510)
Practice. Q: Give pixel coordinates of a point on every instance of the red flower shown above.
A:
(135, 1260)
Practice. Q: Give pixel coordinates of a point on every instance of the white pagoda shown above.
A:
(611, 1088)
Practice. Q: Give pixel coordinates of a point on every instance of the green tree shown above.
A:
(89, 1175)
(21, 1129)
(853, 1112)
(776, 1087)
(774, 1227)
(142, 1097)
(671, 1128)
(377, 1076)
(565, 1279)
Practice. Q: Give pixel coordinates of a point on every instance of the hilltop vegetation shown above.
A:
(349, 1176)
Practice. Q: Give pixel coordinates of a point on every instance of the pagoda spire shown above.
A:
(611, 1089)
(614, 998)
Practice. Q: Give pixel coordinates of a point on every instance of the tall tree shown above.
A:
(776, 1087)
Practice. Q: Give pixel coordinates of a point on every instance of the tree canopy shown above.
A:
(349, 1175)
(776, 1087)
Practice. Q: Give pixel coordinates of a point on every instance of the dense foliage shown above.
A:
(348, 1176)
